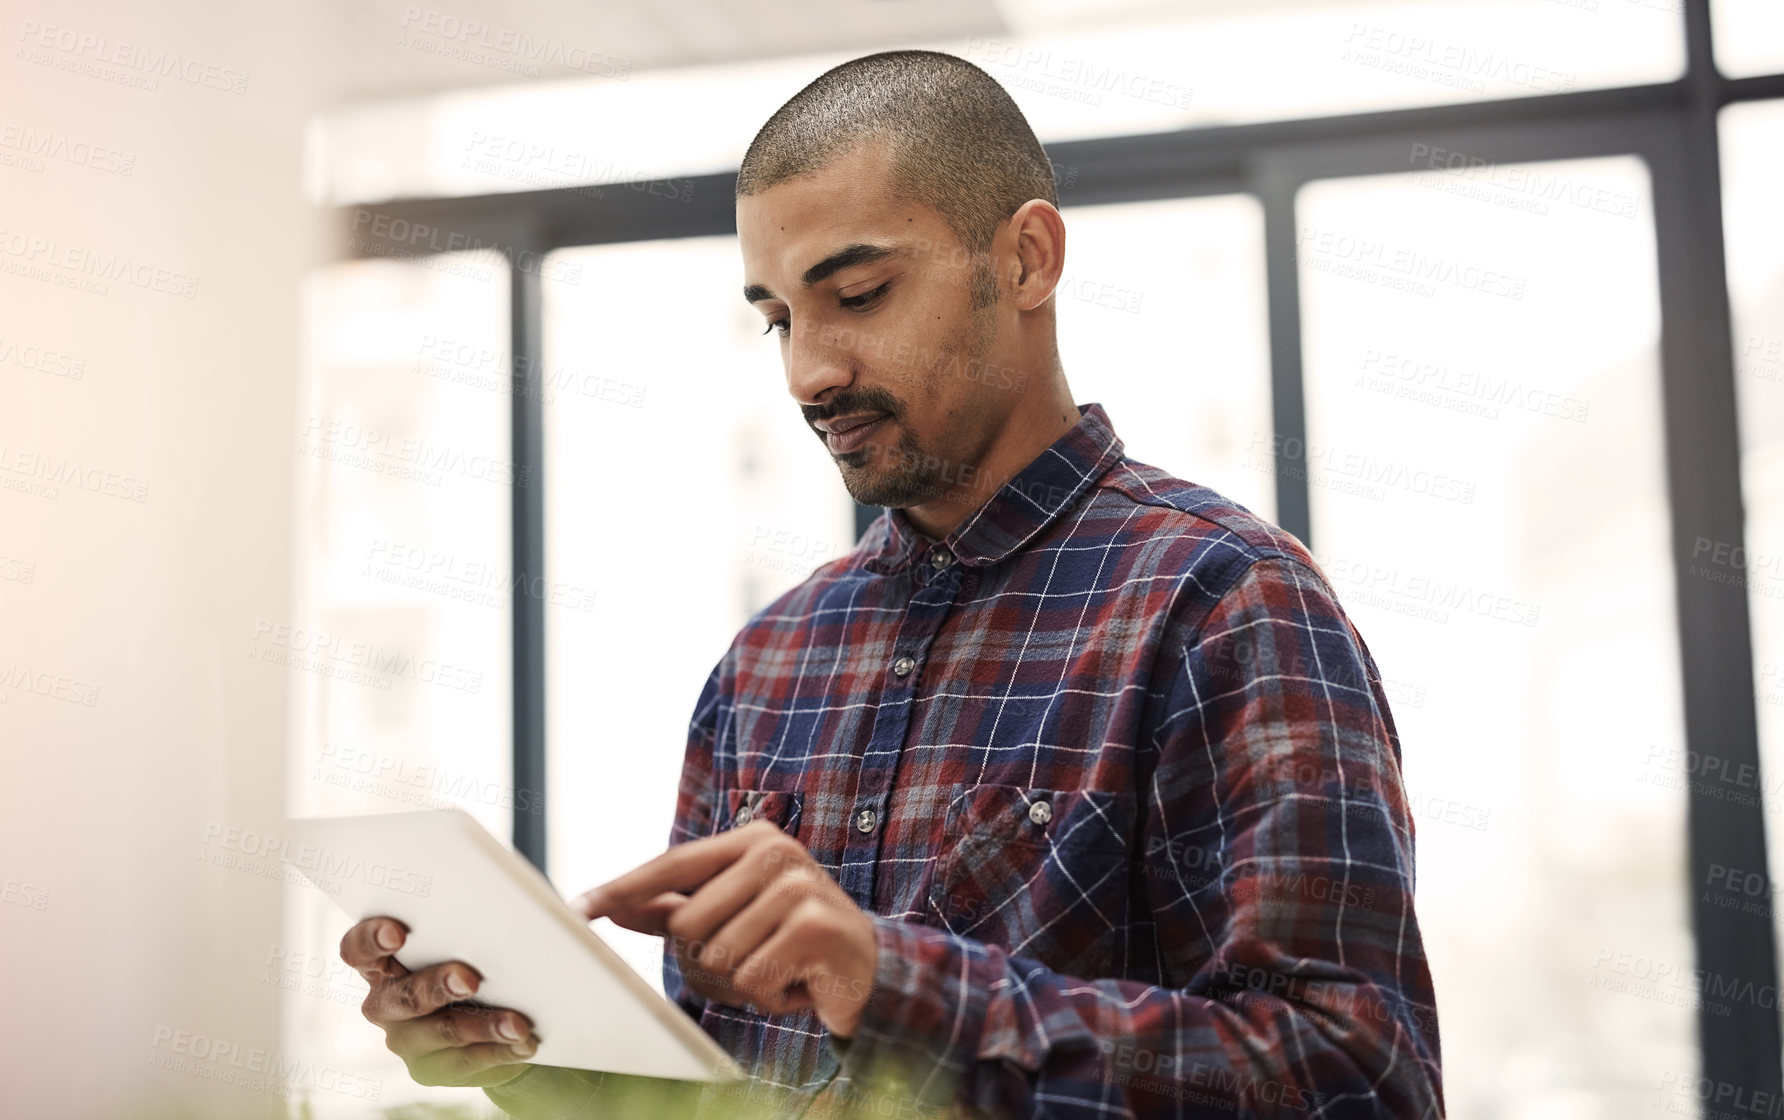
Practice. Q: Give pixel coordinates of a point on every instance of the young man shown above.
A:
(1071, 790)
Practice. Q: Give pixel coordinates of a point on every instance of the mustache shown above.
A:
(854, 401)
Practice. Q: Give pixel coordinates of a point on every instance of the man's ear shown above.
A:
(1038, 232)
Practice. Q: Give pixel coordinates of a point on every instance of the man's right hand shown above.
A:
(427, 1019)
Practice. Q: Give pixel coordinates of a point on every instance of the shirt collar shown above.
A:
(1019, 510)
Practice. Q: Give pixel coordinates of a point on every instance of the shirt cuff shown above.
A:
(546, 1093)
(513, 1092)
(919, 1028)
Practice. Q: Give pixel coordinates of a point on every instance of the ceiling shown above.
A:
(398, 48)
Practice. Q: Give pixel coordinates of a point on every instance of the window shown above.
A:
(398, 644)
(1488, 487)
(1162, 321)
(1753, 161)
(686, 493)
(1462, 325)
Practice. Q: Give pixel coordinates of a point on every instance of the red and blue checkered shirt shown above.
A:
(1117, 781)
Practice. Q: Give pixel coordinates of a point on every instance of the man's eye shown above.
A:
(853, 303)
(866, 298)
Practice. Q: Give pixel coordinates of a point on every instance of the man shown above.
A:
(1070, 791)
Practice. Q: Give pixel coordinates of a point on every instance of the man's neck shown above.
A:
(1034, 433)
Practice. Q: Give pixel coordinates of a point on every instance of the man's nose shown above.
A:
(818, 358)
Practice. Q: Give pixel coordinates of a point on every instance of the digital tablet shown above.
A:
(466, 896)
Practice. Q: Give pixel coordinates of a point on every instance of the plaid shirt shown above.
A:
(1117, 781)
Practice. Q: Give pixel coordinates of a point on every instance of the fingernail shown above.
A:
(456, 985)
(388, 937)
(508, 1030)
(524, 1049)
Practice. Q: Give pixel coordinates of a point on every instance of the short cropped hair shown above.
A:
(958, 144)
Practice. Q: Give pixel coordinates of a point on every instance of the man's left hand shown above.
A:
(751, 918)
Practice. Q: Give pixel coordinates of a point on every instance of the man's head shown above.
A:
(899, 231)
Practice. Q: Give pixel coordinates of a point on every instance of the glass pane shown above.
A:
(1752, 168)
(1748, 35)
(743, 502)
(398, 645)
(1095, 67)
(1162, 319)
(1487, 477)
(686, 493)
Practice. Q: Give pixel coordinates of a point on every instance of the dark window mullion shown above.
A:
(865, 516)
(1736, 951)
(1276, 188)
(527, 449)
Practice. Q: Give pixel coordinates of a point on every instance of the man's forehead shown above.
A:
(822, 220)
(845, 199)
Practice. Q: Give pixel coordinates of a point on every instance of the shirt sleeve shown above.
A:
(557, 1093)
(1276, 855)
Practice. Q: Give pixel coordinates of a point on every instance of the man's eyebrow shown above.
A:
(847, 257)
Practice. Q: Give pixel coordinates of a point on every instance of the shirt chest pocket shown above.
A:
(1041, 873)
(777, 807)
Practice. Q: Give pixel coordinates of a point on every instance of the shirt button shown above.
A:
(903, 666)
(940, 559)
(1040, 812)
(744, 815)
(865, 820)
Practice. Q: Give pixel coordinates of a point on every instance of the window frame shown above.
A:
(1671, 126)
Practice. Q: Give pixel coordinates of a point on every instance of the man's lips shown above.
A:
(843, 434)
(842, 424)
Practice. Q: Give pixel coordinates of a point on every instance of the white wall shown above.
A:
(115, 930)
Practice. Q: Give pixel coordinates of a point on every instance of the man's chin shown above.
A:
(878, 488)
(864, 487)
